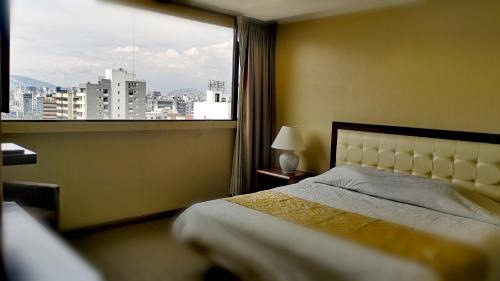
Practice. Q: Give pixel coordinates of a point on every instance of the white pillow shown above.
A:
(423, 192)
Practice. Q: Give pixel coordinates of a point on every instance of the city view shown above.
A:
(125, 65)
(116, 95)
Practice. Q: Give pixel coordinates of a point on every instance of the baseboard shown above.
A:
(73, 233)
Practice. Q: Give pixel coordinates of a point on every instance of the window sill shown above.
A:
(24, 127)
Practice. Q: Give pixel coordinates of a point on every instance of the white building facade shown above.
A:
(128, 96)
(216, 106)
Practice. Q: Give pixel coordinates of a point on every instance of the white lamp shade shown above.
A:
(288, 138)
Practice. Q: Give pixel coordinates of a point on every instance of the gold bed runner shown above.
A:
(450, 259)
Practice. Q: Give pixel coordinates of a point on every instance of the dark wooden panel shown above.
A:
(274, 177)
(13, 154)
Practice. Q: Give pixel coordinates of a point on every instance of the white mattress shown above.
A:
(33, 252)
(258, 246)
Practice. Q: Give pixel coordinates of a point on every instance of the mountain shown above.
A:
(19, 80)
(190, 92)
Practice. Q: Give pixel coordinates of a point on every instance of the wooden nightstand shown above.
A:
(274, 177)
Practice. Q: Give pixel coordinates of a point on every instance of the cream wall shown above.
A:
(106, 176)
(433, 64)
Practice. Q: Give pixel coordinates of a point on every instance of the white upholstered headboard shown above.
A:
(471, 160)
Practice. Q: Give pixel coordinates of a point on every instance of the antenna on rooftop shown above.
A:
(133, 43)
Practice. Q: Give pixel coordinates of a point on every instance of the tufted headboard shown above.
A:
(471, 160)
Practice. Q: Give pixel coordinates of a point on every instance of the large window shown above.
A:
(91, 60)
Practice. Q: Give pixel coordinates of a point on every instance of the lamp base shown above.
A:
(289, 162)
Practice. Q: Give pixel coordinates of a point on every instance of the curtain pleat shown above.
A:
(256, 92)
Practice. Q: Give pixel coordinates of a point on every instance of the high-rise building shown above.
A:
(128, 95)
(38, 110)
(180, 106)
(151, 98)
(64, 101)
(49, 108)
(79, 105)
(217, 104)
(136, 99)
(217, 91)
(16, 100)
(189, 109)
(163, 103)
(27, 105)
(71, 105)
(98, 99)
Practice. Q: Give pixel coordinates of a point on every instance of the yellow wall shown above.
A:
(435, 64)
(106, 176)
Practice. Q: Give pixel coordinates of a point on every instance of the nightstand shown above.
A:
(274, 177)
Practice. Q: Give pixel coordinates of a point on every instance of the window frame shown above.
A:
(5, 54)
(5, 74)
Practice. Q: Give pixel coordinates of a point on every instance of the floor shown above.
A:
(145, 251)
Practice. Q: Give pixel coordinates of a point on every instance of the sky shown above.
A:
(82, 38)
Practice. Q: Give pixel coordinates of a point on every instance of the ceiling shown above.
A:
(285, 11)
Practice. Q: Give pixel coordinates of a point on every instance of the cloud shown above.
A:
(170, 52)
(170, 59)
(223, 47)
(126, 49)
(191, 52)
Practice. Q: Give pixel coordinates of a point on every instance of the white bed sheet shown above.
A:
(258, 246)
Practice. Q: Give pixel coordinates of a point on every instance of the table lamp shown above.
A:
(289, 140)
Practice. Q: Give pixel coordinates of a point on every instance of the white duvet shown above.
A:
(258, 246)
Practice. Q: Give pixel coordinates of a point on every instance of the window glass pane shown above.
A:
(71, 60)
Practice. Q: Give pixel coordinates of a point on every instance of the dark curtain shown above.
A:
(256, 91)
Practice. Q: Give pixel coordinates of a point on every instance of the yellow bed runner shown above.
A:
(452, 260)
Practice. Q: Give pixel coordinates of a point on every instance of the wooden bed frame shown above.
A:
(407, 131)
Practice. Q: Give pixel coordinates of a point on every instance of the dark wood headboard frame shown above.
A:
(407, 131)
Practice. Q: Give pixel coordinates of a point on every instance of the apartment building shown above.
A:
(49, 108)
(79, 106)
(70, 105)
(128, 96)
(38, 107)
(98, 99)
(27, 105)
(217, 104)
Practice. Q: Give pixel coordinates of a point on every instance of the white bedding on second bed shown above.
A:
(258, 246)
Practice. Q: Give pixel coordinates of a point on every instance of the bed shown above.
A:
(398, 204)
